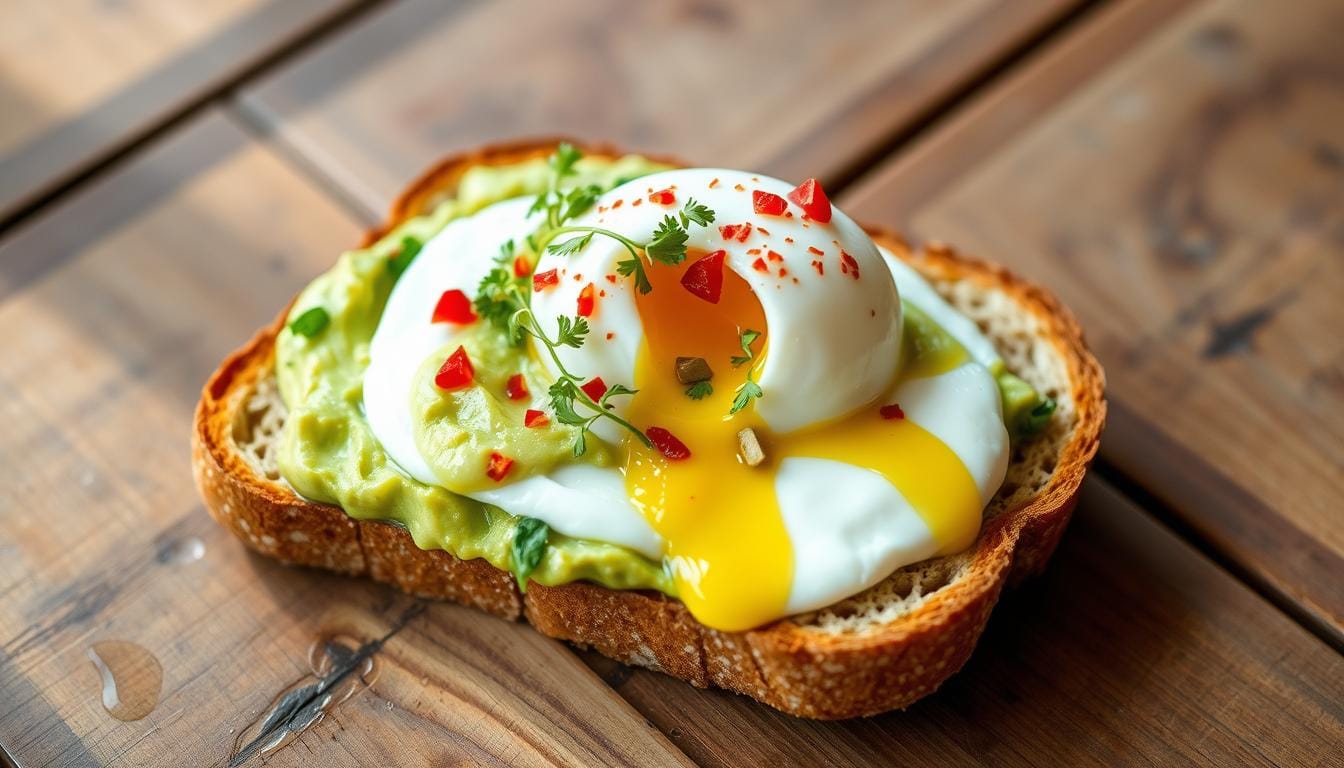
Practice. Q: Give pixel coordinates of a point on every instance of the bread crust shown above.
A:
(801, 670)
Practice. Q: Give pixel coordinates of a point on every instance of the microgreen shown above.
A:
(529, 544)
(311, 322)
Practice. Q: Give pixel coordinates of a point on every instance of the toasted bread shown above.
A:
(879, 650)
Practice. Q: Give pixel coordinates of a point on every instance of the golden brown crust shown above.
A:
(798, 669)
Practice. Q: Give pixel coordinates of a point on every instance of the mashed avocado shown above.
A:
(329, 453)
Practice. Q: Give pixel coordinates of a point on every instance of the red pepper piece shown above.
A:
(812, 199)
(454, 307)
(848, 265)
(499, 466)
(760, 266)
(544, 280)
(456, 372)
(892, 411)
(738, 232)
(595, 388)
(535, 418)
(704, 277)
(667, 444)
(516, 388)
(586, 300)
(522, 267)
(773, 256)
(663, 197)
(767, 203)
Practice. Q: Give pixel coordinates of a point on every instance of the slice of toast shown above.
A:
(879, 650)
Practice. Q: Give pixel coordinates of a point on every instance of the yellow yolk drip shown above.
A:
(725, 539)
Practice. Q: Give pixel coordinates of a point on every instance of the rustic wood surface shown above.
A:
(1171, 168)
(79, 78)
(1174, 173)
(374, 107)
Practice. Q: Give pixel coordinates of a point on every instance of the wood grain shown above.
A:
(1174, 173)
(79, 78)
(116, 306)
(1132, 649)
(789, 87)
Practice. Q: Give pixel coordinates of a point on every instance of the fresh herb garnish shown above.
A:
(311, 322)
(1034, 421)
(410, 248)
(746, 338)
(700, 390)
(749, 391)
(529, 544)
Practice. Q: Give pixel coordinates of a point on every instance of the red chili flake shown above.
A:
(499, 466)
(767, 203)
(454, 307)
(516, 388)
(784, 272)
(638, 201)
(602, 294)
(821, 270)
(848, 261)
(739, 188)
(753, 251)
(795, 281)
(544, 280)
(610, 335)
(763, 231)
(535, 418)
(595, 388)
(760, 266)
(812, 199)
(816, 250)
(788, 214)
(714, 183)
(773, 256)
(456, 372)
(738, 232)
(522, 267)
(617, 204)
(667, 444)
(586, 301)
(892, 411)
(663, 197)
(611, 279)
(601, 209)
(578, 277)
(789, 240)
(704, 277)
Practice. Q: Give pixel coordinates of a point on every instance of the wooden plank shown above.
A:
(1132, 649)
(1173, 172)
(116, 306)
(790, 87)
(82, 77)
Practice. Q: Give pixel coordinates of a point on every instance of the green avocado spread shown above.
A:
(328, 451)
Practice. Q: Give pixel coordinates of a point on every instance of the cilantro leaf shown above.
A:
(570, 333)
(506, 251)
(669, 242)
(562, 162)
(571, 246)
(695, 212)
(410, 248)
(310, 323)
(562, 395)
(745, 394)
(579, 200)
(529, 545)
(613, 391)
(700, 390)
(634, 266)
(746, 338)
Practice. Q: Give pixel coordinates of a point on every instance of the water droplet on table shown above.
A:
(132, 678)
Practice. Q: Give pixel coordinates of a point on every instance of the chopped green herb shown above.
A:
(746, 338)
(311, 322)
(1034, 421)
(529, 544)
(410, 248)
(700, 390)
(749, 391)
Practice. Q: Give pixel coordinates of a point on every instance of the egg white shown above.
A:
(849, 527)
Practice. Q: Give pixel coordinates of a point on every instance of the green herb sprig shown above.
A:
(749, 389)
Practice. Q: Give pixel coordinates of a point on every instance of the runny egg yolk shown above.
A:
(724, 536)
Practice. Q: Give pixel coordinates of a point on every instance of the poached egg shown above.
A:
(878, 453)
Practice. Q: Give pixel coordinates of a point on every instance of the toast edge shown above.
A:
(792, 668)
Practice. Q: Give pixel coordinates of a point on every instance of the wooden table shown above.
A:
(170, 173)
